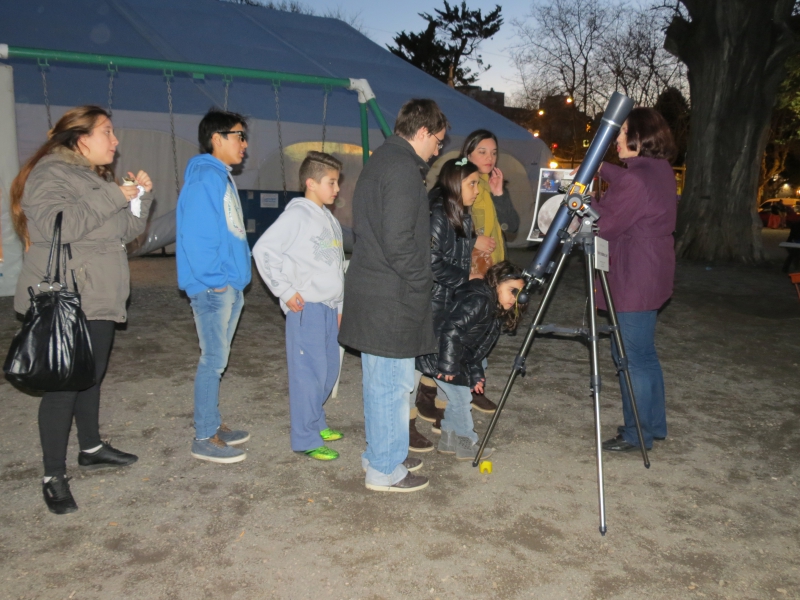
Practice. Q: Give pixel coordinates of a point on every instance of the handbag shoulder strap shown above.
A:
(55, 251)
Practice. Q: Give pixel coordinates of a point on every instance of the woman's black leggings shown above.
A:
(58, 408)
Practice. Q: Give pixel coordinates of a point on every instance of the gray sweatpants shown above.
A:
(312, 355)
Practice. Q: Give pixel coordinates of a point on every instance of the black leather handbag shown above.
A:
(53, 351)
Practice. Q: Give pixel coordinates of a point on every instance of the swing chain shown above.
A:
(168, 75)
(325, 114)
(43, 66)
(277, 86)
(112, 71)
(228, 80)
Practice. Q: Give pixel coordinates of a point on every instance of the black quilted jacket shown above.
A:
(468, 332)
(450, 259)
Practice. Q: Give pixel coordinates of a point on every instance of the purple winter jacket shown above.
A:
(638, 215)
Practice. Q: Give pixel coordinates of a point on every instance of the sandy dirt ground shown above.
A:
(716, 516)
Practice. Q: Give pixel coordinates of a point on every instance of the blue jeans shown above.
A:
(638, 330)
(216, 315)
(312, 355)
(458, 414)
(387, 382)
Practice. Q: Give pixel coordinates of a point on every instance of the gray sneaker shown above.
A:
(467, 450)
(447, 443)
(215, 450)
(410, 483)
(232, 437)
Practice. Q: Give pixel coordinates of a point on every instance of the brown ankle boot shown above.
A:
(483, 404)
(416, 441)
(426, 403)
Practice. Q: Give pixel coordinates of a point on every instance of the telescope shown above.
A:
(543, 265)
(575, 202)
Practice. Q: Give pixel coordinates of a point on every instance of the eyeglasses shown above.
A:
(440, 145)
(242, 134)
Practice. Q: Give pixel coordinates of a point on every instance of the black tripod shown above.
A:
(585, 237)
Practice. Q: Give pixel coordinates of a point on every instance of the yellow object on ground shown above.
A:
(485, 466)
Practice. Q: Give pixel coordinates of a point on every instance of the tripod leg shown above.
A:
(519, 361)
(595, 385)
(623, 359)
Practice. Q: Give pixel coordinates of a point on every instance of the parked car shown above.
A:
(792, 210)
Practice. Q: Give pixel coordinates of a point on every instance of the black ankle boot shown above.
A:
(57, 495)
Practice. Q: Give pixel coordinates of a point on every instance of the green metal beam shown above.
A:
(379, 117)
(364, 131)
(193, 69)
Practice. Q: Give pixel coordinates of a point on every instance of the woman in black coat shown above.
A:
(467, 332)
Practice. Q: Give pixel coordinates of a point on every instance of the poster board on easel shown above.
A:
(548, 199)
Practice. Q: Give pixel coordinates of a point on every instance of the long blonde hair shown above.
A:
(75, 123)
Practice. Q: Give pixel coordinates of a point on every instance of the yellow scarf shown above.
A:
(484, 216)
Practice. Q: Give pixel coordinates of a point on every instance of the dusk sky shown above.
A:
(383, 19)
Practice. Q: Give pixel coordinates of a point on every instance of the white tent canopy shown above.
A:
(264, 39)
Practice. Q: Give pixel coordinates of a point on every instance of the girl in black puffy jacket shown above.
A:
(467, 331)
(452, 239)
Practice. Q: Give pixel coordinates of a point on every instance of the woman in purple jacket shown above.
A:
(638, 218)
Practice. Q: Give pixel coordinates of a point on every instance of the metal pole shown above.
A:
(588, 249)
(364, 132)
(387, 131)
(160, 65)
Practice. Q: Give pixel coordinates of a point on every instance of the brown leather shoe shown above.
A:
(426, 403)
(482, 403)
(416, 441)
(410, 483)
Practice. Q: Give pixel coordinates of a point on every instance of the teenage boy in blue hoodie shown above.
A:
(213, 261)
(301, 259)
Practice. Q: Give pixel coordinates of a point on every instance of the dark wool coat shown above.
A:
(637, 217)
(468, 332)
(97, 224)
(451, 256)
(387, 290)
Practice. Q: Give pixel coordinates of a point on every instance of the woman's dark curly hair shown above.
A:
(503, 271)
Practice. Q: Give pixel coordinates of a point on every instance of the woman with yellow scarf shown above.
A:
(493, 213)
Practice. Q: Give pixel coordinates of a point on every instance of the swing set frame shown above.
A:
(366, 98)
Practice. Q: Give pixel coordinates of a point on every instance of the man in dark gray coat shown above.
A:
(387, 308)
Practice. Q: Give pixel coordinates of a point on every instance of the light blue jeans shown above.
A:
(458, 414)
(387, 382)
(216, 315)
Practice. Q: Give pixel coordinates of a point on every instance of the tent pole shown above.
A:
(364, 131)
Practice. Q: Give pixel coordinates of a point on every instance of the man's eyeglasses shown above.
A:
(242, 134)
(440, 145)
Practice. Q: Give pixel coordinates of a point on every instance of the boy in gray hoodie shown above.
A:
(301, 259)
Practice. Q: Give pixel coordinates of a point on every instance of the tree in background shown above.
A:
(784, 130)
(592, 48)
(451, 38)
(735, 51)
(559, 50)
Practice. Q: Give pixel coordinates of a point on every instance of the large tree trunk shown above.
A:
(734, 51)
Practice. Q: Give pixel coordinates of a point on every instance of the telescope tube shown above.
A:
(614, 116)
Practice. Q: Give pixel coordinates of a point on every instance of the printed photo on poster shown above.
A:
(548, 199)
